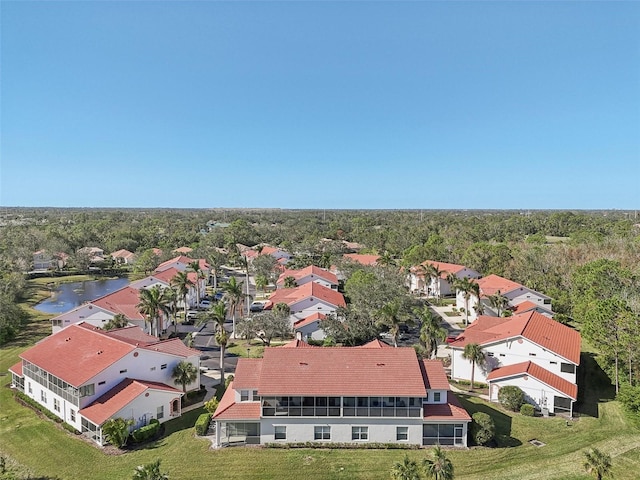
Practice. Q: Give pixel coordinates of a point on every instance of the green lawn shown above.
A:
(40, 448)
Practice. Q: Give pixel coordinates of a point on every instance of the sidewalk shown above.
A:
(465, 392)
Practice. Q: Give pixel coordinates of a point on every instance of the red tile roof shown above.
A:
(297, 343)
(311, 289)
(76, 354)
(315, 317)
(17, 368)
(184, 250)
(375, 344)
(122, 254)
(524, 307)
(119, 397)
(135, 336)
(311, 270)
(434, 375)
(341, 371)
(131, 335)
(444, 267)
(491, 284)
(121, 301)
(536, 371)
(228, 409)
(362, 259)
(452, 410)
(534, 326)
(247, 373)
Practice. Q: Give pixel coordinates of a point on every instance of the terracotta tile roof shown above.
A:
(362, 259)
(341, 371)
(297, 343)
(17, 368)
(490, 285)
(228, 409)
(534, 326)
(121, 301)
(375, 344)
(311, 289)
(444, 267)
(119, 397)
(536, 371)
(172, 346)
(315, 317)
(452, 410)
(268, 250)
(311, 270)
(135, 336)
(76, 354)
(122, 253)
(247, 373)
(183, 250)
(131, 335)
(181, 259)
(156, 251)
(434, 375)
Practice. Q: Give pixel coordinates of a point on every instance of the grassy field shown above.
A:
(38, 448)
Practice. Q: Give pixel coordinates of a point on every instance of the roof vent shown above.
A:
(304, 363)
(99, 352)
(380, 364)
(67, 339)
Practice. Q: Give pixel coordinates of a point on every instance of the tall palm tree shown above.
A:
(597, 463)
(244, 263)
(153, 305)
(386, 259)
(218, 315)
(431, 332)
(391, 316)
(184, 374)
(262, 282)
(473, 352)
(234, 297)
(407, 469)
(181, 283)
(468, 288)
(290, 282)
(498, 301)
(433, 272)
(149, 471)
(118, 321)
(172, 297)
(439, 467)
(195, 267)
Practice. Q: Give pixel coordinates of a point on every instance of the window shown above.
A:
(87, 390)
(244, 395)
(502, 354)
(553, 363)
(56, 404)
(402, 433)
(163, 366)
(532, 354)
(280, 432)
(359, 433)
(322, 432)
(121, 371)
(72, 415)
(160, 412)
(29, 386)
(101, 383)
(254, 395)
(489, 354)
(43, 396)
(567, 368)
(436, 396)
(153, 369)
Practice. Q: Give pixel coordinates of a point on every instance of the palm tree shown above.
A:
(597, 463)
(386, 259)
(184, 374)
(218, 315)
(153, 305)
(467, 287)
(149, 471)
(391, 316)
(195, 267)
(473, 352)
(244, 263)
(433, 272)
(172, 297)
(439, 467)
(290, 282)
(262, 282)
(234, 296)
(431, 333)
(405, 470)
(118, 321)
(498, 301)
(181, 283)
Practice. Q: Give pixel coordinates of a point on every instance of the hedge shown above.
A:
(345, 446)
(30, 402)
(147, 432)
(527, 410)
(202, 424)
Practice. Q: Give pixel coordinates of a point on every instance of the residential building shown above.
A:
(422, 283)
(310, 274)
(43, 260)
(374, 393)
(86, 376)
(123, 257)
(511, 345)
(307, 299)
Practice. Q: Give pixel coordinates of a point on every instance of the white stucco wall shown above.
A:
(308, 306)
(143, 408)
(536, 392)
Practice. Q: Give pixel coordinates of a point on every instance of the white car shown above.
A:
(205, 304)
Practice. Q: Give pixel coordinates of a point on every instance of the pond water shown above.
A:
(70, 295)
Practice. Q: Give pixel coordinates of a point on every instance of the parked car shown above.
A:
(257, 306)
(205, 304)
(451, 339)
(192, 316)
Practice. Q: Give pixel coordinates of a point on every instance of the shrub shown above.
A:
(483, 429)
(30, 402)
(202, 424)
(227, 381)
(212, 405)
(145, 433)
(511, 397)
(527, 410)
(629, 396)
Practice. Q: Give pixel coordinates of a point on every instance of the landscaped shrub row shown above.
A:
(30, 402)
(345, 446)
(202, 423)
(527, 410)
(145, 433)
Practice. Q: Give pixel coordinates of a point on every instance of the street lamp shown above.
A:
(248, 352)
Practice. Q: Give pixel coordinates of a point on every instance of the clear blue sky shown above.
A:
(321, 104)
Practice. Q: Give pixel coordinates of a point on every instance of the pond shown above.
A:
(71, 295)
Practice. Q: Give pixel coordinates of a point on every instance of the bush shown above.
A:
(527, 410)
(212, 405)
(511, 397)
(629, 396)
(145, 433)
(28, 401)
(202, 424)
(483, 429)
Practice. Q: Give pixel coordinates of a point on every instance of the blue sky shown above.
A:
(321, 104)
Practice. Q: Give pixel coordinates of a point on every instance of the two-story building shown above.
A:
(421, 282)
(373, 393)
(307, 299)
(309, 274)
(86, 376)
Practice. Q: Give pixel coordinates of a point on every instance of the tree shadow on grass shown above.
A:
(503, 438)
(594, 386)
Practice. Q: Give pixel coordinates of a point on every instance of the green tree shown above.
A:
(181, 284)
(116, 431)
(407, 469)
(431, 331)
(262, 282)
(184, 373)
(438, 467)
(392, 317)
(197, 269)
(171, 295)
(234, 296)
(218, 315)
(468, 288)
(511, 397)
(483, 429)
(498, 302)
(269, 325)
(432, 272)
(118, 321)
(290, 282)
(597, 463)
(153, 305)
(149, 471)
(474, 353)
